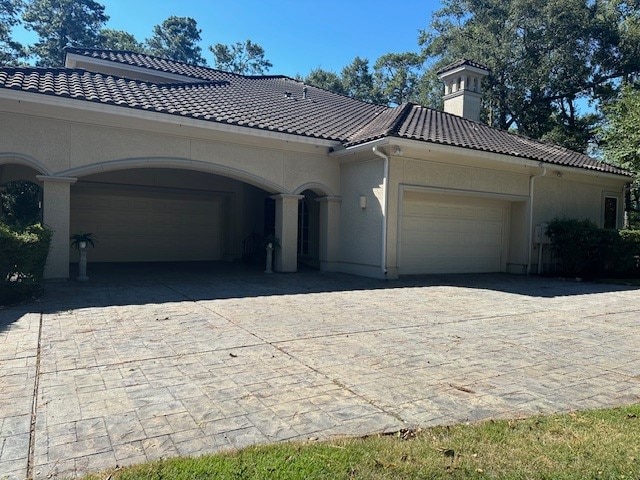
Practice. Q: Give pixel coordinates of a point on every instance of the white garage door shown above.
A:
(447, 234)
(149, 226)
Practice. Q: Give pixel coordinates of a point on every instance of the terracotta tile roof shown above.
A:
(277, 103)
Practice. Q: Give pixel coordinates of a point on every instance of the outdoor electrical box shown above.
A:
(540, 235)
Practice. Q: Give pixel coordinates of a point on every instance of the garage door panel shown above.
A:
(135, 229)
(452, 237)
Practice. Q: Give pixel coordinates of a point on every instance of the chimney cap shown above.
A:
(460, 65)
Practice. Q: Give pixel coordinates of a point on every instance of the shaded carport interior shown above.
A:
(167, 215)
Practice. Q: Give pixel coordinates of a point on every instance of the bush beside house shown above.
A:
(23, 254)
(582, 249)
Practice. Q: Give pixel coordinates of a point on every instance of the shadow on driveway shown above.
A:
(158, 283)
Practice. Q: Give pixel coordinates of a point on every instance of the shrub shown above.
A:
(23, 255)
(583, 249)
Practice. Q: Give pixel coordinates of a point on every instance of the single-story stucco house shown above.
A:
(165, 161)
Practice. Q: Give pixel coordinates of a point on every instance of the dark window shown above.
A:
(610, 212)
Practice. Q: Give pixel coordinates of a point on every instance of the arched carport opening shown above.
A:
(20, 195)
(165, 214)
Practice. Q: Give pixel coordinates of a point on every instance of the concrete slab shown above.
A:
(159, 366)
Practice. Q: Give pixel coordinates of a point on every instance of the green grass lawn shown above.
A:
(600, 444)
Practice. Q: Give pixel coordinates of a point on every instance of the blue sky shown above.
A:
(297, 36)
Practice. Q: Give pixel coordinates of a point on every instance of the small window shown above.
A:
(610, 212)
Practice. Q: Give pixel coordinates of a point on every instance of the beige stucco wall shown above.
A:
(361, 229)
(65, 147)
(561, 193)
(61, 141)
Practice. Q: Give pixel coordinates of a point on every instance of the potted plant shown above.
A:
(82, 240)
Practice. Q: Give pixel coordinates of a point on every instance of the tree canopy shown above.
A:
(545, 58)
(177, 38)
(62, 23)
(621, 133)
(246, 58)
(111, 39)
(10, 51)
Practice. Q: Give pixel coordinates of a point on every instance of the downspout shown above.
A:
(530, 236)
(385, 188)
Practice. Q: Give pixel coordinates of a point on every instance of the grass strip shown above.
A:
(598, 444)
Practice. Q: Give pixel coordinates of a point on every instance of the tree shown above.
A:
(620, 135)
(545, 57)
(10, 50)
(325, 79)
(61, 23)
(397, 77)
(245, 58)
(357, 81)
(620, 141)
(177, 38)
(20, 202)
(119, 40)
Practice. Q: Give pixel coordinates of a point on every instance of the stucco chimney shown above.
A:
(463, 88)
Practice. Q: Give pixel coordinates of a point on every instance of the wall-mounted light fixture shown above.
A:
(559, 174)
(362, 202)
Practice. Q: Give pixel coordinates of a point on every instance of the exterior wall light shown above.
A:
(363, 202)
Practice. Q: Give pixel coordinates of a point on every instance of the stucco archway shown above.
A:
(151, 211)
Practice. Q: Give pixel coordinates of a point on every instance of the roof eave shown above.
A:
(502, 157)
(72, 59)
(167, 118)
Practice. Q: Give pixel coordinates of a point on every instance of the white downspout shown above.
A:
(530, 235)
(385, 187)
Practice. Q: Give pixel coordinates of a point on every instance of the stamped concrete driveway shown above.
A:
(113, 373)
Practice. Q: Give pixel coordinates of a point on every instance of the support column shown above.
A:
(287, 232)
(56, 209)
(329, 233)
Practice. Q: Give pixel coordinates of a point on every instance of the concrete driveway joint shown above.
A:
(134, 371)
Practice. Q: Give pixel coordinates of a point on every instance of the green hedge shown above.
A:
(23, 255)
(582, 249)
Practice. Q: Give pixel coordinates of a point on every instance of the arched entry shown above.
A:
(309, 230)
(165, 215)
(20, 195)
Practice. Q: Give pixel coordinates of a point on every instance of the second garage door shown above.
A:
(143, 225)
(452, 234)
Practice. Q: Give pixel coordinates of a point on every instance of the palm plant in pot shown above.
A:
(82, 240)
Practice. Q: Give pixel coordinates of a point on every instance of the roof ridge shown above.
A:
(80, 50)
(69, 71)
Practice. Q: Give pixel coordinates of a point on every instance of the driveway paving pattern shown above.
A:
(116, 372)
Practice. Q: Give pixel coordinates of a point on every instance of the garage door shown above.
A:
(149, 226)
(447, 234)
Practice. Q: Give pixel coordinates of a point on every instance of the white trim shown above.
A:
(610, 194)
(162, 117)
